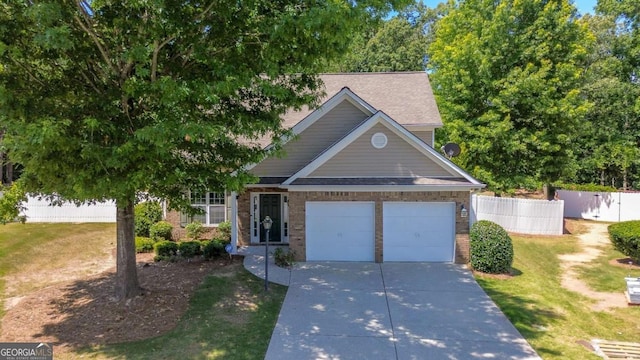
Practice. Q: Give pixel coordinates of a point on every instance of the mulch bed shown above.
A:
(627, 263)
(83, 313)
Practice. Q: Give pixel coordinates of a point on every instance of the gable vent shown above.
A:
(379, 140)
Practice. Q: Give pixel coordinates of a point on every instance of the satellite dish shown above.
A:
(451, 150)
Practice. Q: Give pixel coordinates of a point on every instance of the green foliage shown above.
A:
(224, 231)
(161, 230)
(608, 145)
(213, 249)
(146, 214)
(397, 44)
(144, 244)
(195, 230)
(507, 80)
(11, 199)
(165, 249)
(282, 258)
(190, 249)
(491, 248)
(625, 237)
(585, 187)
(103, 100)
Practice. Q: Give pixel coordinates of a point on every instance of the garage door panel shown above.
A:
(340, 231)
(418, 231)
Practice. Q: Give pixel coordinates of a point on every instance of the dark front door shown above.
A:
(270, 205)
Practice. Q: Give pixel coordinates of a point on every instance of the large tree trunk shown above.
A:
(127, 285)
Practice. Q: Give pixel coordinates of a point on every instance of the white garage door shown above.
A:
(418, 231)
(340, 231)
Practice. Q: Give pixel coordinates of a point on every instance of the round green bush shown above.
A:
(189, 249)
(213, 249)
(491, 248)
(625, 237)
(224, 231)
(165, 249)
(144, 244)
(145, 215)
(161, 230)
(195, 230)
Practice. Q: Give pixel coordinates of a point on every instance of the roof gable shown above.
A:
(383, 119)
(317, 132)
(396, 157)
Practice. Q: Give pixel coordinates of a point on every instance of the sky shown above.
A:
(584, 6)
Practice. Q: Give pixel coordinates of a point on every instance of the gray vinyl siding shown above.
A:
(425, 136)
(397, 159)
(312, 141)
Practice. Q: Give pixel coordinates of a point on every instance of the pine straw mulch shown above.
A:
(82, 313)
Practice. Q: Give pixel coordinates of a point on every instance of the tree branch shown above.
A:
(87, 29)
(156, 51)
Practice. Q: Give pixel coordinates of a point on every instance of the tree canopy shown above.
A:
(396, 44)
(507, 78)
(107, 99)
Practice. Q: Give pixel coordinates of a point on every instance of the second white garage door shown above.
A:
(340, 231)
(418, 231)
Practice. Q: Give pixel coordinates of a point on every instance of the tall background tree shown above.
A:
(396, 44)
(610, 135)
(108, 99)
(507, 78)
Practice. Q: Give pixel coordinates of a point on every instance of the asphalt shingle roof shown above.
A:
(405, 96)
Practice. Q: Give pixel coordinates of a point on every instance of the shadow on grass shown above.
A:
(530, 317)
(228, 316)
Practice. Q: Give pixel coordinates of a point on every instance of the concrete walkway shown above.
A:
(346, 310)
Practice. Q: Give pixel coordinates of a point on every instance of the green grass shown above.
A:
(230, 317)
(551, 318)
(39, 249)
(602, 276)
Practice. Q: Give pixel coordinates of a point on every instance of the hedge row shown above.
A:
(169, 250)
(625, 237)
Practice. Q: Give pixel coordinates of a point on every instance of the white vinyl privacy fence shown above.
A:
(525, 216)
(41, 211)
(601, 206)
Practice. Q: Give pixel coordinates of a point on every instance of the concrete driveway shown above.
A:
(391, 311)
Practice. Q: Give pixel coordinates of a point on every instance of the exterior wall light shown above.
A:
(463, 211)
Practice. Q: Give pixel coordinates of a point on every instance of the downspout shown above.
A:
(234, 222)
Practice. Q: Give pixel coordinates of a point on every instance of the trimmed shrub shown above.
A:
(625, 237)
(213, 249)
(491, 248)
(189, 249)
(165, 249)
(195, 230)
(144, 244)
(284, 259)
(145, 215)
(224, 231)
(161, 230)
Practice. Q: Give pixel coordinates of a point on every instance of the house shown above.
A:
(360, 181)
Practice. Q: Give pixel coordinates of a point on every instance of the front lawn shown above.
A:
(228, 317)
(550, 317)
(33, 256)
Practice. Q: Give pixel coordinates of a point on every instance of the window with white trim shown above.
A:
(213, 205)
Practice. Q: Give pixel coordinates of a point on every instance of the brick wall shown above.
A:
(179, 232)
(297, 215)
